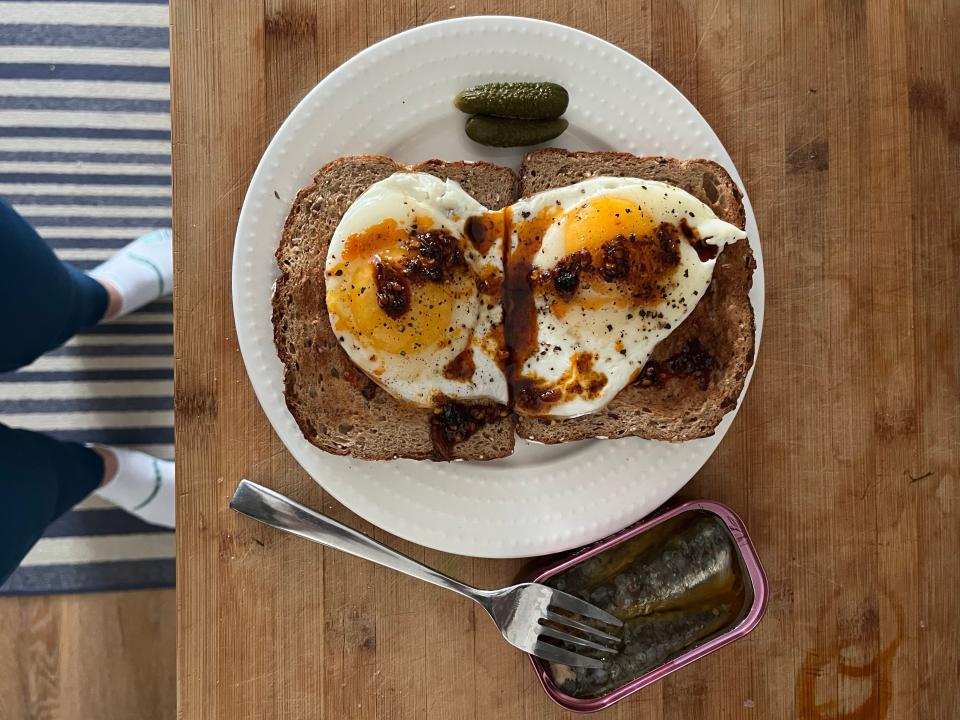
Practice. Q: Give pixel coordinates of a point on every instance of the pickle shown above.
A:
(524, 100)
(510, 132)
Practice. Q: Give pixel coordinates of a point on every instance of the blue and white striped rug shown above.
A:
(85, 156)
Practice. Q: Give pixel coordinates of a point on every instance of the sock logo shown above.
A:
(157, 480)
(152, 265)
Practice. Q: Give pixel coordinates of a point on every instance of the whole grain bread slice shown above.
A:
(680, 408)
(338, 408)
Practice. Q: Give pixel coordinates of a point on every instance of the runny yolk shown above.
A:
(385, 238)
(597, 221)
(422, 328)
(353, 301)
(597, 300)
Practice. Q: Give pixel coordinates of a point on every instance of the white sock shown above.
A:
(141, 271)
(143, 486)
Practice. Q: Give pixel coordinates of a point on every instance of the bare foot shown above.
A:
(109, 463)
(115, 301)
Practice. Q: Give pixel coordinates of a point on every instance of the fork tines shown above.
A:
(554, 625)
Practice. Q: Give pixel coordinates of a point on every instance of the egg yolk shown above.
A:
(424, 327)
(386, 239)
(597, 221)
(598, 298)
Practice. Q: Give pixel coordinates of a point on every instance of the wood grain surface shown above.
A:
(844, 121)
(103, 656)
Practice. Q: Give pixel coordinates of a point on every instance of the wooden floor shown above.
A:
(99, 656)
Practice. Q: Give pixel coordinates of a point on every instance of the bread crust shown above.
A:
(723, 321)
(337, 407)
(340, 410)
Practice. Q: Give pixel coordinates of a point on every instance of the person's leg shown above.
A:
(43, 301)
(40, 479)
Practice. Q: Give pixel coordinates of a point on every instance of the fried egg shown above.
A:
(598, 274)
(413, 300)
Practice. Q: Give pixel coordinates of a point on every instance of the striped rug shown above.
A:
(85, 156)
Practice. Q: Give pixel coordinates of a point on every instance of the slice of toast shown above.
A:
(682, 407)
(338, 408)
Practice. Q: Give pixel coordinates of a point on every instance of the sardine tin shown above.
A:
(754, 573)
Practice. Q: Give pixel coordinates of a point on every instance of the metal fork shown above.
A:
(527, 615)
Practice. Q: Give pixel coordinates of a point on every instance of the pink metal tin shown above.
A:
(753, 571)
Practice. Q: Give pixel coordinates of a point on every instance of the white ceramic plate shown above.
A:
(395, 98)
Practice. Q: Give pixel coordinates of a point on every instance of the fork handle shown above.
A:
(272, 508)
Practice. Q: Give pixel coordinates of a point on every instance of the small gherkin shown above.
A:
(521, 100)
(510, 132)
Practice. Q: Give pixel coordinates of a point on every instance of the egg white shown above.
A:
(596, 331)
(417, 377)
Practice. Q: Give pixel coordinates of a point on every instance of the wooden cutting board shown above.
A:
(844, 121)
